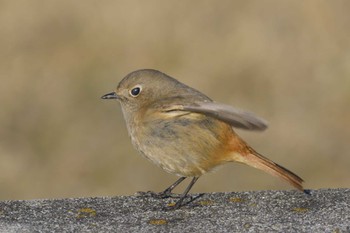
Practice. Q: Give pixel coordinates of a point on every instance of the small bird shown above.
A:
(186, 133)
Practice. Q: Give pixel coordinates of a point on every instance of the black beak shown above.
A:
(111, 95)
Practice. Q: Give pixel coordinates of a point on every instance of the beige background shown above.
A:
(287, 61)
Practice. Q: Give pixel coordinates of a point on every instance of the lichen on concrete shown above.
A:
(326, 210)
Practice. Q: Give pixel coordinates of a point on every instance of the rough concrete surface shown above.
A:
(325, 210)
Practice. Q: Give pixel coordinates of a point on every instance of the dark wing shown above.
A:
(233, 116)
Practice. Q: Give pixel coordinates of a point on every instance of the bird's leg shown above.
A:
(178, 204)
(166, 193)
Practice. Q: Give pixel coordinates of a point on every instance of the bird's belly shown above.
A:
(184, 146)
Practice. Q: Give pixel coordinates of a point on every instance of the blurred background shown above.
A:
(287, 61)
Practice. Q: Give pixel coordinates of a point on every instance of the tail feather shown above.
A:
(258, 161)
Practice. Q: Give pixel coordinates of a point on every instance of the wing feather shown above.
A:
(233, 116)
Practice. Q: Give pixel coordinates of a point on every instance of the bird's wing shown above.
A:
(233, 116)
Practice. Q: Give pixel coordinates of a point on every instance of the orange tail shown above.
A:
(258, 161)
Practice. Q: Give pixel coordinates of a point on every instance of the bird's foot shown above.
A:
(160, 195)
(180, 203)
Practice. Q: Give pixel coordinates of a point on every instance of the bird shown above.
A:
(186, 133)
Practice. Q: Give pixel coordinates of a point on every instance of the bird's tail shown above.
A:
(258, 161)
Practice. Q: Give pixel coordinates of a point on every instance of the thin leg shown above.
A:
(166, 193)
(184, 194)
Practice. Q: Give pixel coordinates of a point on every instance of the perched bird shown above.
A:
(186, 133)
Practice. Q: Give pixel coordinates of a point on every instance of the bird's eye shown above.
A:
(135, 91)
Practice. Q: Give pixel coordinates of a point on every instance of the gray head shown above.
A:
(143, 87)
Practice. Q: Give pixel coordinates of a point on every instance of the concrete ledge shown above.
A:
(263, 211)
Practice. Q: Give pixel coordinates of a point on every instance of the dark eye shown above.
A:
(135, 91)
